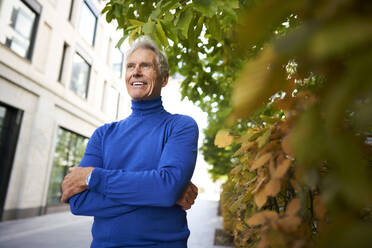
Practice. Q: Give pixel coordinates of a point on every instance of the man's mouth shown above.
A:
(138, 83)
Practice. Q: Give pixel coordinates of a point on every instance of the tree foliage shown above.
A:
(199, 41)
(292, 78)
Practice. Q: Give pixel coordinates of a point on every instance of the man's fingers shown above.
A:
(186, 207)
(194, 189)
(191, 194)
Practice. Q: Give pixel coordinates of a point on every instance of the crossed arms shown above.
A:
(113, 192)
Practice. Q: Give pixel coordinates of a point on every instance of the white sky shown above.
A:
(171, 97)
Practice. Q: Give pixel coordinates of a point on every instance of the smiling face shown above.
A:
(143, 79)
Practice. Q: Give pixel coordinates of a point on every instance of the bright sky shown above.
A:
(171, 97)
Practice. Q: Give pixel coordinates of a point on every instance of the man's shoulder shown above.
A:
(108, 126)
(182, 121)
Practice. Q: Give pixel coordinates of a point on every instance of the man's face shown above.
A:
(142, 75)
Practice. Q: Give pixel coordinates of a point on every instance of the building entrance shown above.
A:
(10, 123)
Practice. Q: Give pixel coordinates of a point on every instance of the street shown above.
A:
(69, 231)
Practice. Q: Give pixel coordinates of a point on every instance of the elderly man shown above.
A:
(135, 175)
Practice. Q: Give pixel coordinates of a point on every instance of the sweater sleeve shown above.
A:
(160, 187)
(91, 203)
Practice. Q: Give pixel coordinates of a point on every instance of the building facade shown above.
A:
(60, 78)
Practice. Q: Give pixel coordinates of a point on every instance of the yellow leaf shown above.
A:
(262, 218)
(261, 161)
(271, 167)
(239, 226)
(272, 188)
(260, 198)
(236, 170)
(295, 185)
(223, 139)
(285, 103)
(259, 184)
(287, 146)
(251, 135)
(264, 242)
(289, 223)
(293, 207)
(282, 168)
(135, 22)
(243, 148)
(273, 145)
(133, 34)
(319, 208)
(258, 81)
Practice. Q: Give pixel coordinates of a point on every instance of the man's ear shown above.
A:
(165, 80)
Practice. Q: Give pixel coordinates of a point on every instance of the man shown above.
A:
(133, 171)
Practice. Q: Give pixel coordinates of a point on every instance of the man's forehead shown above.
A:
(142, 54)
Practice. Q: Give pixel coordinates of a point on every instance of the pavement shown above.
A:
(68, 231)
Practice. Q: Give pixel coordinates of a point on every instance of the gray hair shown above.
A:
(144, 42)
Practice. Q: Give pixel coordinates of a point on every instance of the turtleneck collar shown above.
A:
(147, 107)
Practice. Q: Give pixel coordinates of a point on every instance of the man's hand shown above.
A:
(75, 182)
(188, 196)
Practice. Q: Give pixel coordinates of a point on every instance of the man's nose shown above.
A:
(137, 70)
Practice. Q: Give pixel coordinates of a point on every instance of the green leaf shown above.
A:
(162, 37)
(214, 28)
(109, 16)
(262, 140)
(122, 39)
(107, 8)
(136, 22)
(155, 13)
(207, 7)
(234, 4)
(117, 13)
(184, 21)
(170, 4)
(134, 33)
(170, 31)
(148, 28)
(199, 25)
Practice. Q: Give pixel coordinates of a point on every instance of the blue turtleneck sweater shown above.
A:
(143, 164)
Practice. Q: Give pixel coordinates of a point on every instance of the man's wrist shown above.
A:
(87, 179)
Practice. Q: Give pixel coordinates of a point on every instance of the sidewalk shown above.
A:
(66, 230)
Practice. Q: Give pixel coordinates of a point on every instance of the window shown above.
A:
(71, 9)
(80, 76)
(65, 47)
(69, 152)
(10, 123)
(117, 61)
(20, 34)
(88, 22)
(112, 103)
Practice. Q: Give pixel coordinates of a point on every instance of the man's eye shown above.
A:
(130, 66)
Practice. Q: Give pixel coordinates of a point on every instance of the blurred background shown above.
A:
(281, 90)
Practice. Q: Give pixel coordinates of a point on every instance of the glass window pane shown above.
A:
(2, 117)
(21, 48)
(18, 37)
(24, 22)
(80, 76)
(87, 25)
(65, 156)
(112, 102)
(117, 61)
